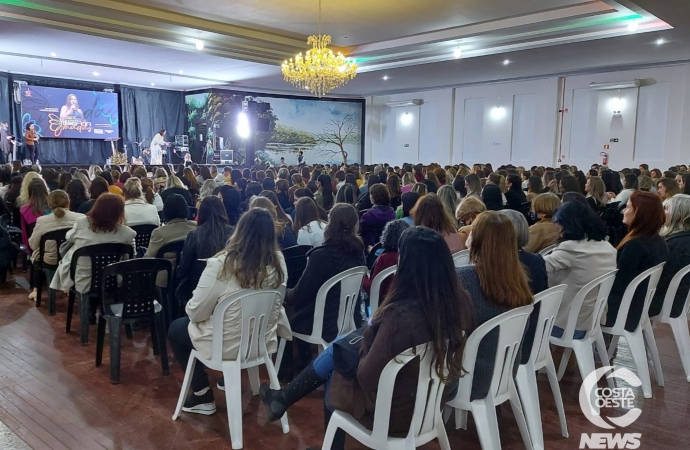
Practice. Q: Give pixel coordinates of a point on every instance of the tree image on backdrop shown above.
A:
(338, 133)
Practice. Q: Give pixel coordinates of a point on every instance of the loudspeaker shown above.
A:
(263, 108)
(263, 125)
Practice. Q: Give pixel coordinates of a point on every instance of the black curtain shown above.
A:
(147, 111)
(5, 98)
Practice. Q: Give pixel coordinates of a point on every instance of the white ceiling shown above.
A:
(410, 42)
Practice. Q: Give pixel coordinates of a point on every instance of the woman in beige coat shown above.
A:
(251, 260)
(543, 233)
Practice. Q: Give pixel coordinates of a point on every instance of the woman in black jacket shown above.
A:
(515, 196)
(677, 234)
(641, 249)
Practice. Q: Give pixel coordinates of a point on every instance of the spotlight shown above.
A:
(53, 54)
(243, 130)
(385, 78)
(181, 72)
(457, 53)
(153, 84)
(199, 44)
(506, 62)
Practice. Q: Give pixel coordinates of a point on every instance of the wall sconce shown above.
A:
(498, 112)
(617, 104)
(406, 119)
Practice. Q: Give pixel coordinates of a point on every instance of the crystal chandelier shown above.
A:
(320, 70)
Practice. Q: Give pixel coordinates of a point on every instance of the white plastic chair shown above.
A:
(427, 423)
(643, 331)
(257, 306)
(679, 325)
(511, 327)
(548, 250)
(461, 258)
(375, 291)
(540, 358)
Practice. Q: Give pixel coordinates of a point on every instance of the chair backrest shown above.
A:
(143, 234)
(133, 283)
(296, 250)
(548, 250)
(427, 406)
(549, 302)
(257, 306)
(101, 255)
(171, 247)
(604, 283)
(350, 281)
(295, 268)
(375, 291)
(511, 328)
(671, 293)
(653, 274)
(461, 258)
(58, 236)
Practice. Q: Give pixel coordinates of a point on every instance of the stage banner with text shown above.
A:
(70, 113)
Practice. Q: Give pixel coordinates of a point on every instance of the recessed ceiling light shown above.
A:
(385, 78)
(506, 62)
(199, 44)
(95, 74)
(457, 53)
(633, 26)
(53, 54)
(181, 72)
(153, 84)
(660, 41)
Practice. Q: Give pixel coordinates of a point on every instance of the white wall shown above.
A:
(462, 124)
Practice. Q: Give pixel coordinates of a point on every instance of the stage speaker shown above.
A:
(263, 125)
(263, 108)
(226, 156)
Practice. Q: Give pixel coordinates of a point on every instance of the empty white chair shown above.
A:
(510, 327)
(679, 325)
(427, 423)
(548, 250)
(643, 331)
(540, 358)
(256, 311)
(461, 258)
(375, 291)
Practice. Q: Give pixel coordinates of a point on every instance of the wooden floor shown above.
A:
(53, 397)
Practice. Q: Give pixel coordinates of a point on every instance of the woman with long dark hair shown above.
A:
(429, 212)
(324, 196)
(232, 202)
(286, 236)
(35, 207)
(251, 260)
(77, 194)
(394, 190)
(515, 196)
(347, 194)
(425, 304)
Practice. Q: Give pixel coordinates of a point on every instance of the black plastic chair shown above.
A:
(170, 313)
(372, 256)
(101, 256)
(59, 236)
(295, 269)
(161, 217)
(143, 234)
(129, 294)
(296, 250)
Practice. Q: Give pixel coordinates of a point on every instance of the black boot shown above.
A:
(277, 402)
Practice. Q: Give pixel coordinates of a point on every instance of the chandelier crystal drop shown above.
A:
(320, 70)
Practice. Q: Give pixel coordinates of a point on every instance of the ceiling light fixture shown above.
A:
(457, 53)
(319, 70)
(153, 84)
(506, 62)
(181, 72)
(633, 26)
(660, 41)
(199, 44)
(53, 54)
(95, 74)
(385, 78)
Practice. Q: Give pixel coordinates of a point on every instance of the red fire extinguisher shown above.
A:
(605, 160)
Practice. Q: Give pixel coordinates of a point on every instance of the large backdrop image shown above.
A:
(326, 131)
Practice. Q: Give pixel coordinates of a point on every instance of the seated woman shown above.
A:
(543, 233)
(96, 188)
(515, 196)
(425, 303)
(388, 257)
(308, 225)
(581, 256)
(149, 194)
(251, 260)
(137, 210)
(409, 199)
(286, 236)
(677, 234)
(466, 213)
(347, 194)
(429, 212)
(209, 237)
(104, 224)
(232, 201)
(375, 219)
(173, 185)
(36, 206)
(533, 262)
(497, 282)
(641, 249)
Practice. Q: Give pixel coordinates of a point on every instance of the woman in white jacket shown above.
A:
(582, 256)
(137, 210)
(308, 227)
(251, 260)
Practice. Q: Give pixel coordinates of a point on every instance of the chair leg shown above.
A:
(585, 363)
(279, 355)
(518, 412)
(648, 332)
(567, 352)
(100, 338)
(154, 336)
(186, 384)
(485, 419)
(159, 325)
(603, 356)
(556, 390)
(70, 310)
(115, 325)
(441, 434)
(681, 333)
(639, 354)
(331, 430)
(461, 419)
(275, 384)
(253, 375)
(128, 331)
(612, 346)
(526, 383)
(233, 399)
(51, 301)
(84, 308)
(38, 284)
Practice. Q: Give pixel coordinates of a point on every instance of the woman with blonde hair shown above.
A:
(450, 201)
(543, 233)
(420, 189)
(474, 187)
(24, 191)
(173, 185)
(597, 197)
(408, 182)
(150, 194)
(284, 231)
(206, 189)
(137, 210)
